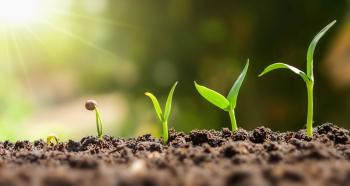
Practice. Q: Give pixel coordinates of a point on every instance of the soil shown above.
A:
(258, 157)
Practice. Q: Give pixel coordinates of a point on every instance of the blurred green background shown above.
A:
(56, 54)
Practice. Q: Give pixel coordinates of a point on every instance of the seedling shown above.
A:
(227, 104)
(92, 106)
(163, 117)
(52, 140)
(308, 77)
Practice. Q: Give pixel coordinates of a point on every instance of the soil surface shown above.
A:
(258, 157)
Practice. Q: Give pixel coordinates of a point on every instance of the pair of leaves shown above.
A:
(163, 117)
(309, 76)
(219, 100)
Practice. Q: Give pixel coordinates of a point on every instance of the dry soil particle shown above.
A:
(258, 157)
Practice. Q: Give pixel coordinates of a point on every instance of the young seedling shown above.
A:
(92, 106)
(52, 140)
(163, 117)
(308, 77)
(227, 104)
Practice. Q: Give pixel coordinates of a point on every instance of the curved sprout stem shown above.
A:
(98, 123)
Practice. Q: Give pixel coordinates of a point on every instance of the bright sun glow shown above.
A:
(20, 12)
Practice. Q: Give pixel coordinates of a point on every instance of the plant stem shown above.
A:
(310, 107)
(165, 132)
(98, 123)
(233, 120)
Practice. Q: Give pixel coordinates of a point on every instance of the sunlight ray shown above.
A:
(78, 38)
(41, 43)
(92, 18)
(20, 59)
(6, 49)
(3, 41)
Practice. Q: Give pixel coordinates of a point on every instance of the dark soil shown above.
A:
(258, 157)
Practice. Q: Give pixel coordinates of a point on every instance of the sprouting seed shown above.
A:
(308, 77)
(227, 104)
(52, 140)
(91, 105)
(163, 117)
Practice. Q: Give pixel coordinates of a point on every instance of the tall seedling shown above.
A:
(308, 77)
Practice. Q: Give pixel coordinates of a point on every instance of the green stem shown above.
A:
(233, 120)
(165, 132)
(98, 123)
(310, 107)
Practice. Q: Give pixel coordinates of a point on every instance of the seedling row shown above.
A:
(228, 103)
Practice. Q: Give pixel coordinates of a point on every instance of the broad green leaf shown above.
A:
(233, 94)
(156, 105)
(213, 97)
(311, 49)
(283, 65)
(169, 102)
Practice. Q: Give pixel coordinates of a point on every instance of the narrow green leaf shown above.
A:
(169, 102)
(156, 105)
(311, 49)
(233, 94)
(283, 65)
(213, 97)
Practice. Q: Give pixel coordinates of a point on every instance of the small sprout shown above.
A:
(227, 104)
(308, 77)
(52, 140)
(92, 106)
(163, 117)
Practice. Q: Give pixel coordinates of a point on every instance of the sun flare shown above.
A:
(21, 12)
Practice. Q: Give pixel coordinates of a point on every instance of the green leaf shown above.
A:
(213, 97)
(169, 102)
(311, 49)
(156, 105)
(233, 94)
(283, 65)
